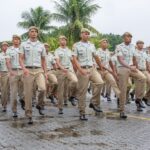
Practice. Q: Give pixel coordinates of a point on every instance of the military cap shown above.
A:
(127, 34)
(16, 36)
(4, 43)
(139, 42)
(85, 30)
(103, 40)
(34, 27)
(62, 37)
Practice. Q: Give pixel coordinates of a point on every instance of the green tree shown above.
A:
(37, 17)
(113, 40)
(75, 14)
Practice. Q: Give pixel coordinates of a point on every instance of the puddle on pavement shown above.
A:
(59, 133)
(112, 116)
(97, 132)
(18, 124)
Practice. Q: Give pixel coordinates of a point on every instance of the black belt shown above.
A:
(86, 67)
(50, 69)
(16, 69)
(60, 69)
(142, 69)
(32, 67)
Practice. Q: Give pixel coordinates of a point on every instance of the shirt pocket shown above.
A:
(126, 53)
(82, 53)
(27, 51)
(61, 55)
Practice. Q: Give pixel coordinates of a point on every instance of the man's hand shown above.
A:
(84, 72)
(12, 73)
(115, 76)
(65, 71)
(26, 72)
(46, 76)
(133, 68)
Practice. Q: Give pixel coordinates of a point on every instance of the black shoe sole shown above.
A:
(92, 106)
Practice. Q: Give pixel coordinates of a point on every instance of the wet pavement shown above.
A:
(66, 132)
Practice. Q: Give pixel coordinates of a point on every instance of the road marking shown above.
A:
(130, 116)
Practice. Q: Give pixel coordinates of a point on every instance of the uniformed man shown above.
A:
(109, 73)
(143, 64)
(51, 73)
(126, 69)
(84, 53)
(33, 63)
(5, 90)
(63, 56)
(16, 83)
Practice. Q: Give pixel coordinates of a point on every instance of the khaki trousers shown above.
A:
(52, 83)
(106, 89)
(147, 75)
(109, 79)
(72, 83)
(36, 75)
(83, 82)
(140, 80)
(66, 90)
(5, 89)
(16, 88)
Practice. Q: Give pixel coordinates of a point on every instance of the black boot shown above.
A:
(60, 112)
(146, 101)
(51, 97)
(22, 104)
(139, 103)
(123, 115)
(95, 108)
(40, 110)
(15, 115)
(83, 118)
(30, 121)
(4, 109)
(118, 103)
(108, 99)
(73, 101)
(132, 96)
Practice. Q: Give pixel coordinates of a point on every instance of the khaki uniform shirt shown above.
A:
(127, 51)
(33, 52)
(84, 52)
(65, 57)
(50, 60)
(13, 54)
(104, 55)
(3, 66)
(141, 58)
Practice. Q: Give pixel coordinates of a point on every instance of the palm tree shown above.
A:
(75, 14)
(37, 17)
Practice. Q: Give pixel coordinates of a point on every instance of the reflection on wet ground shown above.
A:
(103, 131)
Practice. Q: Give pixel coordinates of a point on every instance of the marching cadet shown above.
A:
(143, 64)
(33, 63)
(84, 53)
(147, 100)
(108, 75)
(63, 56)
(51, 74)
(126, 69)
(16, 83)
(4, 77)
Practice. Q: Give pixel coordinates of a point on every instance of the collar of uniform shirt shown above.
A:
(33, 43)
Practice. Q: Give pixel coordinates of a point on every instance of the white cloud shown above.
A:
(115, 16)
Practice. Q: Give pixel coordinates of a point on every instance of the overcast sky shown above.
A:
(115, 16)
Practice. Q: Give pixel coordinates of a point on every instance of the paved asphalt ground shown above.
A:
(55, 132)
